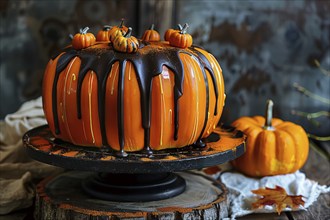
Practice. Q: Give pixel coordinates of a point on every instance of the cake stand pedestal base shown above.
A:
(63, 197)
(134, 187)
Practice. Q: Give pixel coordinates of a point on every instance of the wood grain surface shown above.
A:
(61, 197)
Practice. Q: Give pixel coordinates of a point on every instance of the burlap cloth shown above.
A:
(18, 172)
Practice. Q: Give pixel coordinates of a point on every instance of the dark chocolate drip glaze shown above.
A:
(102, 83)
(57, 53)
(206, 117)
(207, 104)
(147, 65)
(208, 66)
(120, 105)
(87, 63)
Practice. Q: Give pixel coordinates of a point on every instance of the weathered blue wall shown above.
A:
(264, 47)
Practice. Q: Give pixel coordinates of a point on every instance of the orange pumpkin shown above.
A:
(126, 43)
(103, 35)
(170, 31)
(181, 39)
(83, 39)
(157, 98)
(117, 31)
(151, 35)
(273, 146)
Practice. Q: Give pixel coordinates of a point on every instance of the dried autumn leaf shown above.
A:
(212, 170)
(277, 197)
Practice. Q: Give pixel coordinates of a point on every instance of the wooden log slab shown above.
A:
(62, 197)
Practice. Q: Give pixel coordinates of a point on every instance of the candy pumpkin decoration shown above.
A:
(151, 35)
(103, 35)
(170, 31)
(273, 146)
(117, 31)
(83, 39)
(126, 43)
(181, 39)
(159, 97)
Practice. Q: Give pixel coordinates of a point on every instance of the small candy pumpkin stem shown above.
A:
(152, 27)
(184, 28)
(122, 23)
(179, 27)
(84, 31)
(269, 115)
(128, 33)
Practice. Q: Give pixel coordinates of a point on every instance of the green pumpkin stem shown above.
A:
(269, 115)
(179, 27)
(84, 31)
(184, 28)
(122, 23)
(152, 27)
(128, 33)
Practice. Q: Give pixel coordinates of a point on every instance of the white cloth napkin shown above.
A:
(241, 197)
(29, 115)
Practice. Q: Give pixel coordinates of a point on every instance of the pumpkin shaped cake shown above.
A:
(153, 97)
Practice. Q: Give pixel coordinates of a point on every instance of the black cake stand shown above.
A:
(138, 177)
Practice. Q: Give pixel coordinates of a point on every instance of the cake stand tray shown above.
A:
(223, 145)
(105, 186)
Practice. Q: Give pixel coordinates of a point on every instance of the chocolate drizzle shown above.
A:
(120, 105)
(147, 65)
(206, 64)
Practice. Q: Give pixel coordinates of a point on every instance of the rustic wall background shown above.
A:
(264, 47)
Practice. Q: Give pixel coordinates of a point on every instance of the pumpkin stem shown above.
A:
(152, 27)
(122, 23)
(180, 27)
(184, 29)
(128, 33)
(107, 27)
(84, 31)
(269, 115)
